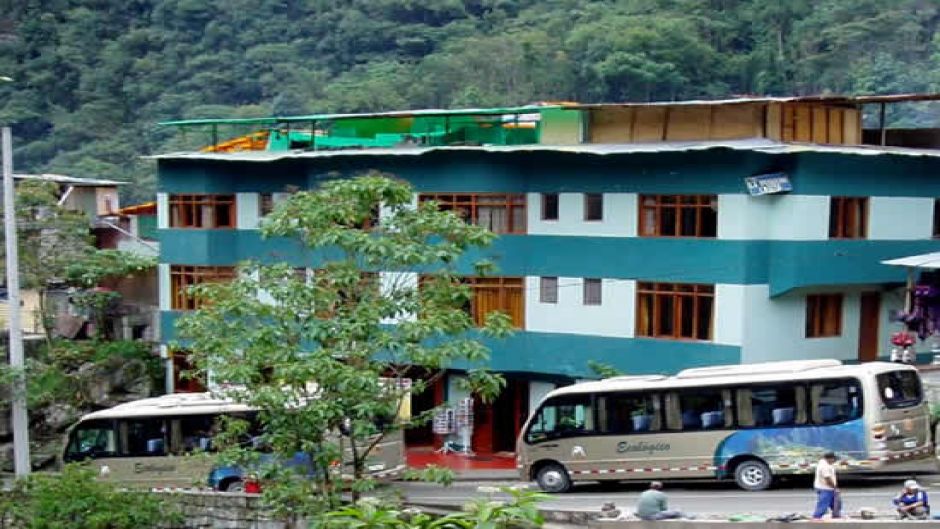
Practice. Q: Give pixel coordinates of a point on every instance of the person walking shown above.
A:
(653, 505)
(827, 488)
(912, 503)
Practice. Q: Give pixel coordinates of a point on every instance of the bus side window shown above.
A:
(194, 434)
(625, 413)
(671, 411)
(562, 417)
(145, 437)
(835, 401)
(705, 409)
(776, 405)
(95, 439)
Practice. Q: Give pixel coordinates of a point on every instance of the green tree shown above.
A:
(324, 358)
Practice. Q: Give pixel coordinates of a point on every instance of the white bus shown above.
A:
(151, 443)
(744, 422)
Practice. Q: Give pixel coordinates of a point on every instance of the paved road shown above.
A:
(702, 498)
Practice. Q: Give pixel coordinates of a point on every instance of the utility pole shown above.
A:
(20, 419)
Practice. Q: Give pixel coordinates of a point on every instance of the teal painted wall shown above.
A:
(568, 354)
(785, 265)
(713, 171)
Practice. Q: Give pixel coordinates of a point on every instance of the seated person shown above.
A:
(912, 503)
(653, 505)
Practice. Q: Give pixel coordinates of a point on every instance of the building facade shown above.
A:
(648, 256)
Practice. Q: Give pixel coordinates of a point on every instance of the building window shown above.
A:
(675, 310)
(182, 277)
(548, 290)
(848, 218)
(593, 206)
(491, 294)
(592, 291)
(202, 211)
(265, 204)
(823, 315)
(936, 218)
(549, 206)
(678, 216)
(498, 212)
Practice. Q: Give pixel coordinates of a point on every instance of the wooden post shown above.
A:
(881, 124)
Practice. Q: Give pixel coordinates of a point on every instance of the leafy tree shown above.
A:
(324, 358)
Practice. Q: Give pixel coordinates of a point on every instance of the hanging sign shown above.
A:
(768, 184)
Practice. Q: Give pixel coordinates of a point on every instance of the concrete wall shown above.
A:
(900, 218)
(211, 510)
(619, 220)
(613, 317)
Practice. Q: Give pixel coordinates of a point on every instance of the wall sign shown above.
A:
(768, 184)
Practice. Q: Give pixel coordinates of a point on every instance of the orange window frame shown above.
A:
(655, 205)
(490, 294)
(183, 276)
(848, 218)
(824, 315)
(698, 299)
(468, 205)
(186, 210)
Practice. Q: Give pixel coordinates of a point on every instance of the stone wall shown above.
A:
(215, 510)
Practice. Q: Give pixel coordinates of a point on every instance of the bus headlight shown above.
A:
(878, 431)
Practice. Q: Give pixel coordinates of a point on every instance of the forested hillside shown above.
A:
(92, 77)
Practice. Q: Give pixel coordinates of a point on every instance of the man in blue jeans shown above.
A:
(827, 488)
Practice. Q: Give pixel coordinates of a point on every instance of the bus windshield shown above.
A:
(91, 440)
(900, 389)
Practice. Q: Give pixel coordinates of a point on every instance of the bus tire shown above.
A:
(233, 485)
(553, 477)
(753, 475)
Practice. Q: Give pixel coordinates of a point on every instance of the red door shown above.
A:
(868, 327)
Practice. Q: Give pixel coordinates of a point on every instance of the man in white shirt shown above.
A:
(827, 488)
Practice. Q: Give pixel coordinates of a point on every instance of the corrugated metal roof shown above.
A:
(927, 260)
(439, 112)
(832, 99)
(601, 149)
(428, 112)
(70, 180)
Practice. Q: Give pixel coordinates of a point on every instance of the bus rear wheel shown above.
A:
(553, 478)
(753, 475)
(234, 485)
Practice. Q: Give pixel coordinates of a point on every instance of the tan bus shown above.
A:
(743, 422)
(153, 443)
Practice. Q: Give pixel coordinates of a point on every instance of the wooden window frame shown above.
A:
(185, 209)
(472, 202)
(679, 203)
(548, 289)
(265, 204)
(655, 293)
(545, 197)
(587, 207)
(818, 306)
(184, 276)
(841, 214)
(505, 286)
(587, 284)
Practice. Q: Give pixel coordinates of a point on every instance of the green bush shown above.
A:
(75, 500)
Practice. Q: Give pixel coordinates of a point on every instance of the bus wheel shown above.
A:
(235, 485)
(553, 478)
(752, 475)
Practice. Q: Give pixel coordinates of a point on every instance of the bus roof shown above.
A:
(733, 374)
(170, 405)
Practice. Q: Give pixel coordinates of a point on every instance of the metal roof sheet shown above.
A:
(927, 260)
(601, 149)
(428, 112)
(70, 180)
(832, 99)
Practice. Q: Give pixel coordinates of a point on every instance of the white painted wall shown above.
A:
(537, 391)
(163, 211)
(900, 218)
(163, 280)
(620, 216)
(775, 329)
(247, 211)
(773, 217)
(729, 315)
(613, 317)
